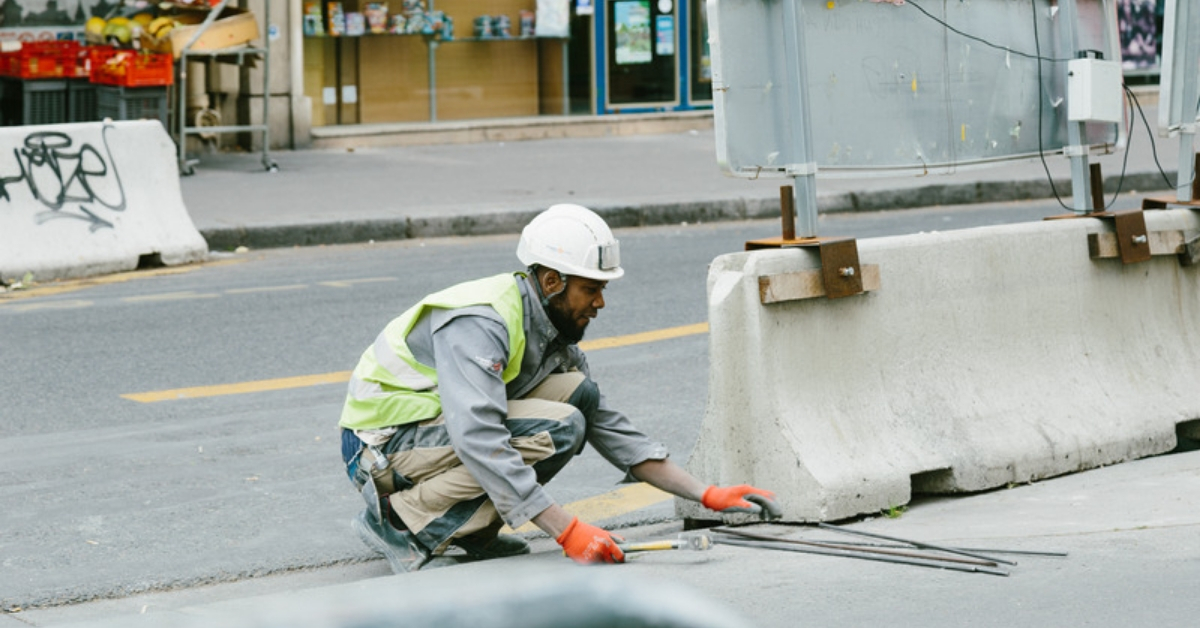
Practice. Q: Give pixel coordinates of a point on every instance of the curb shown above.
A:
(654, 213)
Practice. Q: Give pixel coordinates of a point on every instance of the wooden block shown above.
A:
(807, 284)
(1104, 245)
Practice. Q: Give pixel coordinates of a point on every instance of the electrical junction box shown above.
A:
(1094, 91)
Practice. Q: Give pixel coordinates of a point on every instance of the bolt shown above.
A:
(847, 271)
(1139, 239)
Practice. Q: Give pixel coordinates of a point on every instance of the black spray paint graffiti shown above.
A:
(57, 176)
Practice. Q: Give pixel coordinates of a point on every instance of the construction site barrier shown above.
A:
(91, 198)
(983, 357)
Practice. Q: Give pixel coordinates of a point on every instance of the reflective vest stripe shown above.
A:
(402, 372)
(390, 387)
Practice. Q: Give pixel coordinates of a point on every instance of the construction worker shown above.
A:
(470, 401)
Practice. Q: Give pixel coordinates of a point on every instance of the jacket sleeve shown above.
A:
(471, 353)
(612, 433)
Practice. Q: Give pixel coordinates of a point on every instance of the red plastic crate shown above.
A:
(129, 68)
(41, 59)
(92, 57)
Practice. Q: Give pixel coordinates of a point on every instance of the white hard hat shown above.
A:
(573, 240)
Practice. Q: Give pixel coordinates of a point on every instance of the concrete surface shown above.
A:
(1129, 531)
(86, 199)
(987, 356)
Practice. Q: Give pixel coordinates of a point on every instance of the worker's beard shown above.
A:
(562, 321)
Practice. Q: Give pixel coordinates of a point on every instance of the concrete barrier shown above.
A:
(91, 198)
(987, 356)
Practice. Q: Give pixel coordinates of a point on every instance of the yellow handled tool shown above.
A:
(687, 542)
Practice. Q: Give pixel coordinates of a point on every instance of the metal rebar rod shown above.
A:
(920, 544)
(985, 550)
(867, 549)
(861, 555)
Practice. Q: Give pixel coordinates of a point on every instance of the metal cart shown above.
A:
(238, 56)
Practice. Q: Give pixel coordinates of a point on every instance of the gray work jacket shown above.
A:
(463, 345)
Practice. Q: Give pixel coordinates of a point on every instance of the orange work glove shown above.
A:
(585, 543)
(742, 498)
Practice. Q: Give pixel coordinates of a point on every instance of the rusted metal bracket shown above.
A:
(841, 274)
(1131, 241)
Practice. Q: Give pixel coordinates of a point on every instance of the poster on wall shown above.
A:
(664, 35)
(1137, 22)
(631, 19)
(42, 20)
(553, 18)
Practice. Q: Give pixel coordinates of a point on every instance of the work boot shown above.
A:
(401, 548)
(484, 545)
(370, 494)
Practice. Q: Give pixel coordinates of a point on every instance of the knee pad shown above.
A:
(586, 397)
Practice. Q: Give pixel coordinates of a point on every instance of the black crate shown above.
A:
(132, 103)
(81, 101)
(33, 101)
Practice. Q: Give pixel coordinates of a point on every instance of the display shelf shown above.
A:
(241, 55)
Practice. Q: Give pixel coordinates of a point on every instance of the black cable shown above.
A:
(1153, 144)
(1037, 41)
(1128, 149)
(985, 42)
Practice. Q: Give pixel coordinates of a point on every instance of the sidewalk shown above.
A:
(358, 194)
(1130, 532)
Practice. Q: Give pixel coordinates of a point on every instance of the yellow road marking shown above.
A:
(611, 504)
(261, 385)
(644, 337)
(61, 287)
(344, 376)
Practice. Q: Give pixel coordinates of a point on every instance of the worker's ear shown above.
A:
(550, 280)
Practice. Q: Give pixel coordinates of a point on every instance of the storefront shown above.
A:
(445, 60)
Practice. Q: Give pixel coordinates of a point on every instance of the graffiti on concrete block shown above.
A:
(72, 182)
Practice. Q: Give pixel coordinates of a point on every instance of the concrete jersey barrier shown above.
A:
(987, 356)
(91, 198)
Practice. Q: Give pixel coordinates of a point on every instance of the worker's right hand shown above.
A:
(585, 543)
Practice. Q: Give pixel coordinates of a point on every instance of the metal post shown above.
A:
(266, 96)
(1076, 149)
(1184, 187)
(804, 170)
(433, 44)
(566, 83)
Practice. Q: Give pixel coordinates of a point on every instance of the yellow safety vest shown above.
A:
(390, 387)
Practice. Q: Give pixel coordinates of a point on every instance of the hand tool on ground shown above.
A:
(855, 548)
(684, 542)
(919, 544)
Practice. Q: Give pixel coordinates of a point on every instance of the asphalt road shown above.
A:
(104, 496)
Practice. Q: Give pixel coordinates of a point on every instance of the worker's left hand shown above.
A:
(742, 498)
(586, 543)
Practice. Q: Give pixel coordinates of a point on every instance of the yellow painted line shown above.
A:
(340, 377)
(615, 503)
(299, 286)
(49, 305)
(261, 385)
(72, 285)
(170, 296)
(644, 337)
(347, 283)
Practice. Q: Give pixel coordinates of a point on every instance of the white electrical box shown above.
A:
(1094, 91)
